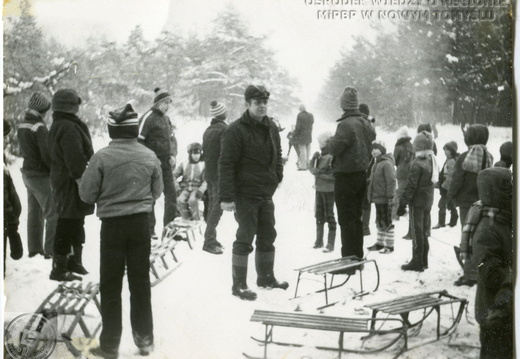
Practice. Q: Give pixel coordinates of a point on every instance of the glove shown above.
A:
(401, 210)
(15, 242)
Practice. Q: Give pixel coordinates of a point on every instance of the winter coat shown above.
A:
(403, 155)
(34, 146)
(351, 145)
(70, 148)
(303, 131)
(12, 205)
(156, 133)
(419, 187)
(192, 174)
(123, 179)
(211, 148)
(446, 174)
(381, 186)
(463, 187)
(250, 163)
(321, 168)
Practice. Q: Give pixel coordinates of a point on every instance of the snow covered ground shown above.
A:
(195, 315)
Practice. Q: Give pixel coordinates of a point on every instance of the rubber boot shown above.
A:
(319, 235)
(442, 220)
(454, 218)
(331, 238)
(264, 269)
(59, 269)
(75, 263)
(239, 272)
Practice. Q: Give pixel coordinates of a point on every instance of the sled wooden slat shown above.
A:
(162, 264)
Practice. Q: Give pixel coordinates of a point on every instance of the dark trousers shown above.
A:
(255, 216)
(445, 202)
(170, 197)
(69, 233)
(496, 343)
(420, 221)
(366, 208)
(383, 216)
(324, 208)
(470, 268)
(125, 241)
(349, 190)
(214, 214)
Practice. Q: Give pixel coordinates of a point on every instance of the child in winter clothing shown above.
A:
(419, 195)
(320, 166)
(450, 149)
(381, 191)
(506, 155)
(403, 156)
(192, 185)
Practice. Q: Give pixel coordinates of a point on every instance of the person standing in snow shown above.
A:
(124, 179)
(211, 148)
(351, 147)
(403, 157)
(250, 169)
(70, 148)
(156, 133)
(445, 176)
(367, 206)
(302, 136)
(34, 147)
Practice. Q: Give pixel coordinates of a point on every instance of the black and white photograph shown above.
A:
(227, 179)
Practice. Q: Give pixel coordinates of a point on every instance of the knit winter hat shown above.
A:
(194, 147)
(161, 95)
(423, 141)
(476, 135)
(380, 145)
(323, 137)
(217, 108)
(256, 91)
(39, 102)
(452, 147)
(506, 149)
(495, 187)
(123, 123)
(66, 100)
(349, 99)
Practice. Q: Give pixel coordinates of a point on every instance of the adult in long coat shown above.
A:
(70, 148)
(302, 136)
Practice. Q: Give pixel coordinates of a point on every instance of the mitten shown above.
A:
(401, 210)
(15, 242)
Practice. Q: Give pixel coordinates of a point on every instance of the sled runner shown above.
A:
(181, 229)
(328, 323)
(343, 266)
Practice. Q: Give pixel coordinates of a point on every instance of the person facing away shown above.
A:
(70, 148)
(250, 170)
(320, 166)
(418, 195)
(124, 179)
(302, 136)
(506, 155)
(192, 185)
(445, 176)
(34, 147)
(367, 206)
(381, 192)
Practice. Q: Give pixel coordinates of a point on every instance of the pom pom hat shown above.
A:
(161, 95)
(123, 123)
(349, 99)
(217, 108)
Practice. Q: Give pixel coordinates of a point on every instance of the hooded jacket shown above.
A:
(381, 186)
(34, 147)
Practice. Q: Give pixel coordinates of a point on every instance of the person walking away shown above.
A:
(250, 169)
(211, 141)
(34, 148)
(303, 137)
(320, 166)
(463, 188)
(70, 148)
(445, 176)
(350, 146)
(124, 179)
(403, 156)
(156, 133)
(418, 195)
(381, 192)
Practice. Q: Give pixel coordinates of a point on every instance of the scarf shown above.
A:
(435, 166)
(474, 158)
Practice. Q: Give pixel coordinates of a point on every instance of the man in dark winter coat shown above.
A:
(351, 147)
(124, 179)
(211, 149)
(250, 169)
(70, 148)
(34, 147)
(302, 136)
(367, 206)
(156, 133)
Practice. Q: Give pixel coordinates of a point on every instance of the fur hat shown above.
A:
(403, 132)
(254, 91)
(217, 108)
(123, 123)
(66, 100)
(194, 147)
(452, 147)
(323, 137)
(380, 145)
(39, 102)
(476, 135)
(423, 141)
(495, 187)
(349, 99)
(161, 95)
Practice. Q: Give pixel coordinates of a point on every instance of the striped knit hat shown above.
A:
(123, 123)
(161, 95)
(39, 102)
(217, 108)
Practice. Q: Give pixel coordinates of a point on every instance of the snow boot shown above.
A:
(331, 239)
(99, 352)
(413, 266)
(15, 243)
(264, 269)
(442, 220)
(75, 263)
(454, 218)
(59, 270)
(239, 270)
(319, 235)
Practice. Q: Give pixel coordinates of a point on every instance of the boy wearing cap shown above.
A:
(32, 137)
(211, 148)
(250, 169)
(70, 148)
(124, 179)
